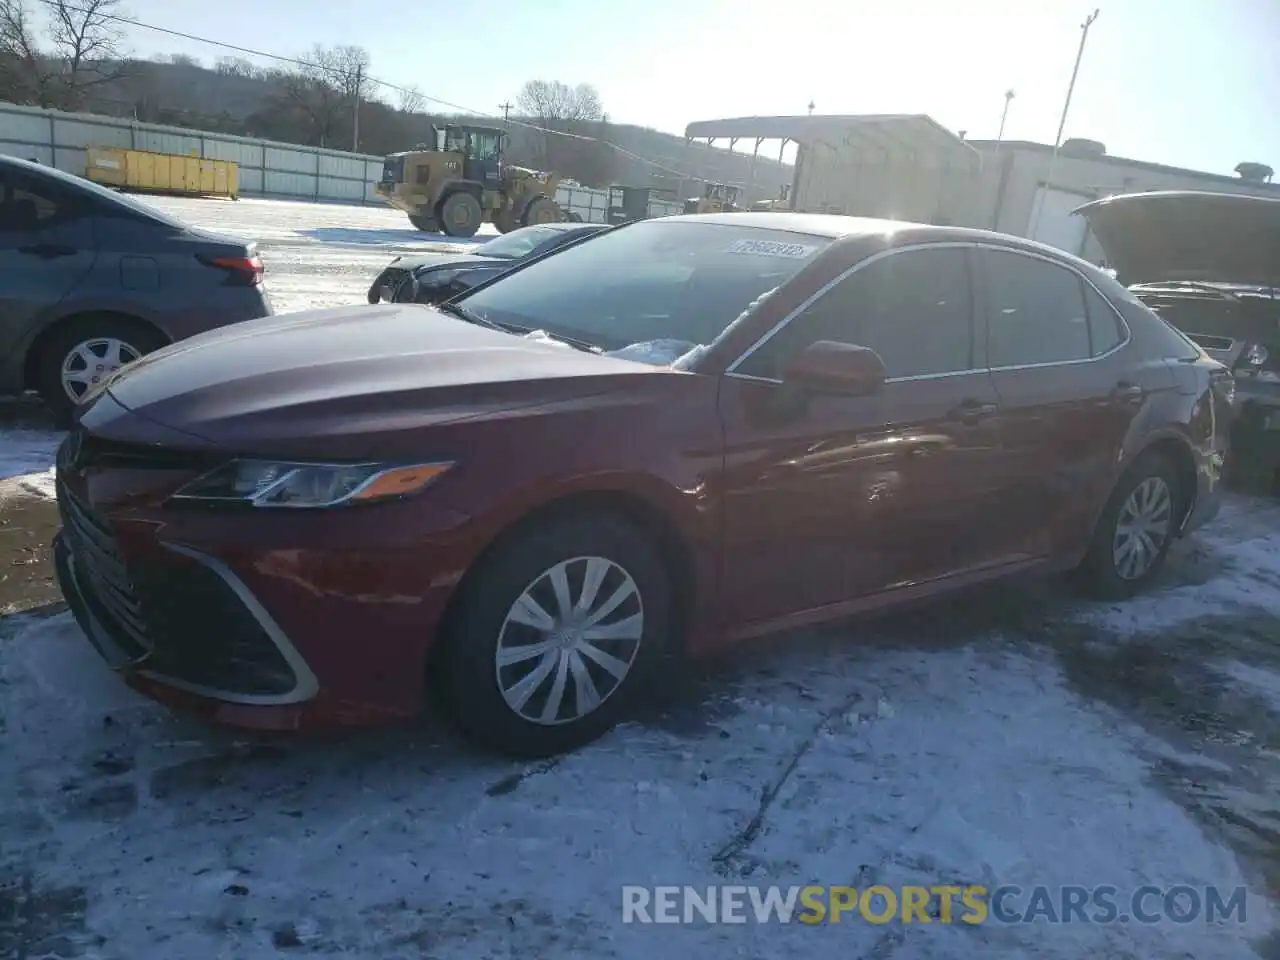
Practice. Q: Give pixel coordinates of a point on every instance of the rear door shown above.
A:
(1069, 388)
(46, 247)
(840, 497)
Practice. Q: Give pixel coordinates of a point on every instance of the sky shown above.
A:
(1192, 83)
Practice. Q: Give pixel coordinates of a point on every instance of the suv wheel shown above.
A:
(554, 635)
(1135, 531)
(83, 353)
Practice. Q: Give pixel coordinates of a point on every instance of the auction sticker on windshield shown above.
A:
(772, 248)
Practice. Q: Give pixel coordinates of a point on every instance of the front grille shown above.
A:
(103, 575)
(205, 634)
(177, 619)
(81, 449)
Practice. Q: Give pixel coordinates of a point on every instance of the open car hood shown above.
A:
(1190, 236)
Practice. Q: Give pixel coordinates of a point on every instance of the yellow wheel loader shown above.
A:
(460, 181)
(716, 198)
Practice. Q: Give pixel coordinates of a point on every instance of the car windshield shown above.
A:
(651, 291)
(517, 243)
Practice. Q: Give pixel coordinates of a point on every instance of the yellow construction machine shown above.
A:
(716, 198)
(460, 181)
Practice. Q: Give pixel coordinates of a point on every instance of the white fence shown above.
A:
(267, 168)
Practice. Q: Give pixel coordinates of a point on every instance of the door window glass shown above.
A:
(1105, 332)
(912, 308)
(1035, 311)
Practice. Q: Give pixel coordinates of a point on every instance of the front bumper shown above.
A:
(272, 623)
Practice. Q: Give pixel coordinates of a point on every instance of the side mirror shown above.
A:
(830, 367)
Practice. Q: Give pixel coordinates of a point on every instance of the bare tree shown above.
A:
(411, 100)
(573, 113)
(25, 74)
(83, 51)
(237, 67)
(326, 90)
(86, 40)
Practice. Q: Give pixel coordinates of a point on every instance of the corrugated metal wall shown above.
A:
(267, 168)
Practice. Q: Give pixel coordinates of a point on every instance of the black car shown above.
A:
(1209, 264)
(91, 279)
(441, 275)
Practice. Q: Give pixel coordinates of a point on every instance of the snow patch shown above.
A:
(658, 353)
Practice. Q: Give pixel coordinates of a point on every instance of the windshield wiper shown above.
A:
(574, 342)
(464, 313)
(515, 329)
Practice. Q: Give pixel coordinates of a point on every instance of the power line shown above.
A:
(310, 65)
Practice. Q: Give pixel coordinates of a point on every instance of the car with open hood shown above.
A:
(523, 503)
(1209, 263)
(433, 277)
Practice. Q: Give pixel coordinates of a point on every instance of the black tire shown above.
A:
(541, 210)
(466, 674)
(1099, 575)
(504, 221)
(139, 338)
(424, 222)
(460, 215)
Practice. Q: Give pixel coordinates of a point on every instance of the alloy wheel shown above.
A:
(1143, 527)
(90, 362)
(569, 641)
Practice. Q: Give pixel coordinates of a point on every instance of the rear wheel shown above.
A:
(1135, 531)
(505, 221)
(424, 222)
(83, 353)
(460, 215)
(554, 635)
(541, 210)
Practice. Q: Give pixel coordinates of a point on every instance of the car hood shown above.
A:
(1189, 236)
(419, 260)
(291, 381)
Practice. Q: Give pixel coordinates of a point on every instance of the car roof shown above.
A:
(839, 227)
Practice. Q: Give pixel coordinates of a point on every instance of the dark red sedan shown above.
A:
(682, 433)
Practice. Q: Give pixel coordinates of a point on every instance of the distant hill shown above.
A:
(257, 104)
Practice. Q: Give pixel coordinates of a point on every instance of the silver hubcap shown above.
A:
(90, 362)
(569, 640)
(1142, 528)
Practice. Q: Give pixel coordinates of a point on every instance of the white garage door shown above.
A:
(1058, 227)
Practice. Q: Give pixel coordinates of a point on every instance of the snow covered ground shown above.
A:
(1015, 737)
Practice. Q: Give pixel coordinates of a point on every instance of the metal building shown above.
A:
(912, 168)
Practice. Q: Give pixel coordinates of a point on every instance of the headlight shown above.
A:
(437, 278)
(1256, 355)
(265, 483)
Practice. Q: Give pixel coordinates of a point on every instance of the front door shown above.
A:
(837, 497)
(46, 246)
(1069, 386)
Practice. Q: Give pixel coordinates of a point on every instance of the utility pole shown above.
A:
(355, 111)
(506, 113)
(1004, 115)
(1062, 123)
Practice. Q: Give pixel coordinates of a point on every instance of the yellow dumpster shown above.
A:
(149, 172)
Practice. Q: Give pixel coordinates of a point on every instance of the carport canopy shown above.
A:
(915, 134)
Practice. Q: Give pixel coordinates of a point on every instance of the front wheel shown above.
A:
(1135, 531)
(84, 353)
(555, 634)
(460, 215)
(541, 210)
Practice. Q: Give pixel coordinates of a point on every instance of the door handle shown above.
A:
(969, 411)
(1127, 391)
(48, 251)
